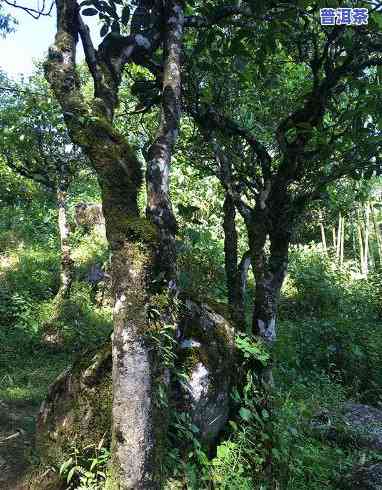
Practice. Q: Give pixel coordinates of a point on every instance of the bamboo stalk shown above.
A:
(339, 236)
(323, 238)
(342, 242)
(360, 241)
(367, 233)
(377, 235)
(334, 238)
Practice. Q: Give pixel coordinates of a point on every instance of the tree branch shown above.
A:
(35, 13)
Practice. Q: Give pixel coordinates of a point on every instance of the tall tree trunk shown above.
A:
(361, 251)
(136, 432)
(323, 239)
(230, 251)
(338, 251)
(377, 235)
(137, 421)
(342, 241)
(67, 264)
(367, 233)
(334, 238)
(159, 209)
(269, 269)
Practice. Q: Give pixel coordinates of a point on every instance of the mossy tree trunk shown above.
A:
(236, 273)
(134, 240)
(67, 263)
(159, 209)
(230, 251)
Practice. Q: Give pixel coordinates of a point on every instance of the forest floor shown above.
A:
(17, 423)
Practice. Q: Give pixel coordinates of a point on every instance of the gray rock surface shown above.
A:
(354, 423)
(207, 351)
(366, 477)
(78, 405)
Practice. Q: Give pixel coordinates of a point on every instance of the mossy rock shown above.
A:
(207, 353)
(77, 410)
(75, 415)
(352, 424)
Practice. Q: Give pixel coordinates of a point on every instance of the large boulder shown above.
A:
(364, 477)
(75, 415)
(77, 409)
(206, 353)
(360, 425)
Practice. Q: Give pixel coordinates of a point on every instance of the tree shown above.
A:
(143, 261)
(270, 176)
(7, 23)
(315, 122)
(36, 145)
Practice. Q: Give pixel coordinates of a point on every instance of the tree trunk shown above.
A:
(377, 235)
(342, 241)
(334, 238)
(241, 281)
(269, 269)
(323, 239)
(367, 232)
(67, 264)
(159, 208)
(361, 252)
(133, 241)
(135, 431)
(230, 251)
(137, 269)
(338, 251)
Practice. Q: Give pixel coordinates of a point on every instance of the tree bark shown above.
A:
(271, 218)
(377, 234)
(323, 239)
(241, 281)
(133, 240)
(342, 241)
(338, 251)
(159, 209)
(230, 251)
(67, 264)
(367, 232)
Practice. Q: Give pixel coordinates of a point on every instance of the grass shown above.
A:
(323, 357)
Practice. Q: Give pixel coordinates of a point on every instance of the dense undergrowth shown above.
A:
(330, 339)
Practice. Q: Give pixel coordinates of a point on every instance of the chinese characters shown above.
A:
(344, 16)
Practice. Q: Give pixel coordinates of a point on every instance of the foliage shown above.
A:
(86, 470)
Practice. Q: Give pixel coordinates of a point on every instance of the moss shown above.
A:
(112, 480)
(79, 410)
(216, 349)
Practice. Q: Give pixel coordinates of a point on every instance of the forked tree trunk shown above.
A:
(269, 269)
(138, 423)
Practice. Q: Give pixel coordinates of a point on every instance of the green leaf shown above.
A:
(65, 465)
(125, 15)
(71, 473)
(245, 414)
(89, 12)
